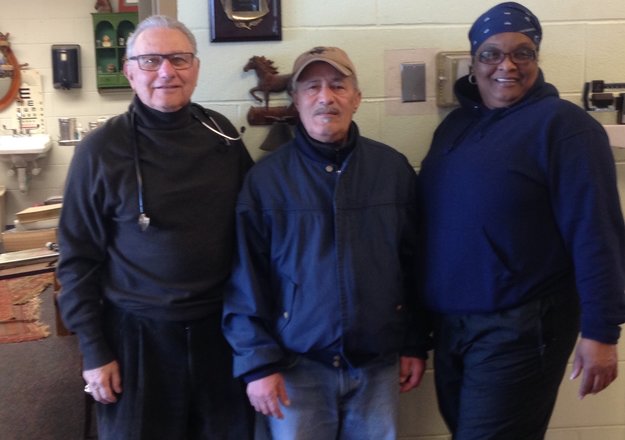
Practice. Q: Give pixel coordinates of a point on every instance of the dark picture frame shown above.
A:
(225, 29)
(128, 6)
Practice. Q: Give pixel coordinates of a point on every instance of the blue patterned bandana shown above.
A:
(505, 17)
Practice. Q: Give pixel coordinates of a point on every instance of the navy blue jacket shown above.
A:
(519, 203)
(326, 256)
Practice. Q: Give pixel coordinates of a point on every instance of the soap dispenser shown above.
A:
(66, 66)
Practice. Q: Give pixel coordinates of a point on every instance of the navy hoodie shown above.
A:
(520, 203)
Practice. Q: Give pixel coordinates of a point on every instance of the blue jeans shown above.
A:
(340, 403)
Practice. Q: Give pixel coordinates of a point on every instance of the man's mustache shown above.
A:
(325, 111)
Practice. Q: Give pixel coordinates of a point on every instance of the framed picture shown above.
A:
(245, 20)
(128, 5)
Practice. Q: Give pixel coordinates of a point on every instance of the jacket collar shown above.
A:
(324, 152)
(469, 96)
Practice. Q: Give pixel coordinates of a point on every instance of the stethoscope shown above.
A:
(144, 220)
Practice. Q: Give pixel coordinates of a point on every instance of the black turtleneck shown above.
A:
(176, 269)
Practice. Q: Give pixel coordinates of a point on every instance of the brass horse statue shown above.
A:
(269, 80)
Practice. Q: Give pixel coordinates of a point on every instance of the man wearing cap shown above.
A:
(322, 310)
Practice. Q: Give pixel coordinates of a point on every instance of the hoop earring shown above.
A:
(472, 79)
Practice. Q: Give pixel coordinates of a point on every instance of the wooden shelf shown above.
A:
(111, 32)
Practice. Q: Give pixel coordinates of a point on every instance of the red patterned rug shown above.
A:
(20, 308)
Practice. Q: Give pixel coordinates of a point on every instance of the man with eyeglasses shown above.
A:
(522, 226)
(146, 239)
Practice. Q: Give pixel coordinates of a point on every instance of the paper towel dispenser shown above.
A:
(450, 67)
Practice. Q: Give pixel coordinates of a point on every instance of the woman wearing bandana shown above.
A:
(524, 243)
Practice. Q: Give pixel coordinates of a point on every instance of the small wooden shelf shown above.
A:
(111, 32)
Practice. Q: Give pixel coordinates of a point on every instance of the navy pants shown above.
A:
(497, 374)
(177, 382)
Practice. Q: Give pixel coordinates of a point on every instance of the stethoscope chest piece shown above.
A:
(144, 221)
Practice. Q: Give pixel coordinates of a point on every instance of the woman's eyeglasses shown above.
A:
(496, 56)
(153, 61)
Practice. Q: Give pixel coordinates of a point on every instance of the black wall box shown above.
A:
(66, 66)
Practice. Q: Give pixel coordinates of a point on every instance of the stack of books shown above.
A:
(38, 217)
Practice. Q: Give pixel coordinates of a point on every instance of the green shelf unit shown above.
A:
(111, 32)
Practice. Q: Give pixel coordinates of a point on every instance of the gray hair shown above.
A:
(158, 21)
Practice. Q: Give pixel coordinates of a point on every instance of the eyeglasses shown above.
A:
(496, 56)
(153, 61)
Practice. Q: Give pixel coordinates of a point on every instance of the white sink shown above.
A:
(34, 144)
(616, 134)
(22, 152)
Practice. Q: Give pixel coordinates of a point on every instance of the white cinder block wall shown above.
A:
(583, 41)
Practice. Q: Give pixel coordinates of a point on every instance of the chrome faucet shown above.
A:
(14, 130)
(23, 129)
